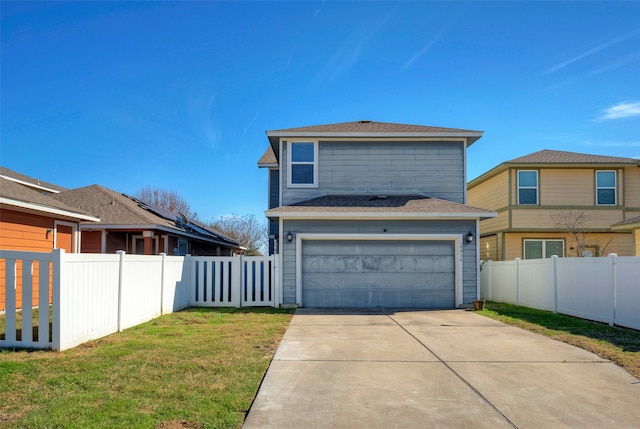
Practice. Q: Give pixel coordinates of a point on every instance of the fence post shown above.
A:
(490, 279)
(237, 281)
(57, 299)
(517, 281)
(274, 280)
(121, 253)
(614, 299)
(554, 258)
(162, 284)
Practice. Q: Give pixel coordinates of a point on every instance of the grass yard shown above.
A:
(619, 345)
(199, 368)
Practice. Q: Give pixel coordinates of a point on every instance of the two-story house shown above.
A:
(558, 203)
(370, 214)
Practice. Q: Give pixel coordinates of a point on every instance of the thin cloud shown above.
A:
(594, 50)
(421, 52)
(244, 132)
(621, 110)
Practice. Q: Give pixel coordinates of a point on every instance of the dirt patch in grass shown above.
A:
(199, 368)
(619, 345)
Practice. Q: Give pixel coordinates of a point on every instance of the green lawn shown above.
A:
(199, 368)
(620, 345)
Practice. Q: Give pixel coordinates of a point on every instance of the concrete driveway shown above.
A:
(435, 369)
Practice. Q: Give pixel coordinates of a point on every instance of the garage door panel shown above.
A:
(379, 247)
(388, 264)
(392, 274)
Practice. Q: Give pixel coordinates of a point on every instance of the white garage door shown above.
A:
(378, 273)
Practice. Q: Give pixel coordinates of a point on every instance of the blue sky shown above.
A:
(179, 95)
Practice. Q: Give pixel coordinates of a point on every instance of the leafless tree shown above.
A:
(246, 230)
(576, 225)
(166, 199)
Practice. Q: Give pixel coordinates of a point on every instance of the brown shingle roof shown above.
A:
(631, 223)
(24, 178)
(268, 159)
(391, 204)
(113, 207)
(15, 192)
(547, 156)
(366, 126)
(370, 129)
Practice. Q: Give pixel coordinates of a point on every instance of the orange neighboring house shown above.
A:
(531, 193)
(31, 220)
(139, 228)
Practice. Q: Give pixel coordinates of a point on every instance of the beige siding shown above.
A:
(489, 248)
(636, 242)
(491, 194)
(566, 187)
(544, 219)
(499, 223)
(620, 243)
(632, 187)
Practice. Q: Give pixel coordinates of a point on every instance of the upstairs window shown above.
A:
(527, 187)
(303, 165)
(606, 188)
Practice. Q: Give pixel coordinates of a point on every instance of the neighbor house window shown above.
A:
(527, 187)
(303, 165)
(538, 249)
(183, 247)
(606, 188)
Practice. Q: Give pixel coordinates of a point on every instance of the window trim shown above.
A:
(537, 187)
(290, 162)
(615, 187)
(544, 246)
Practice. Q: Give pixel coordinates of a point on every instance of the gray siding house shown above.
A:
(369, 214)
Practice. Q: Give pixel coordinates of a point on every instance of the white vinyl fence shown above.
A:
(600, 289)
(93, 295)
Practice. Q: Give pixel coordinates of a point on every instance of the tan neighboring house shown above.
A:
(532, 193)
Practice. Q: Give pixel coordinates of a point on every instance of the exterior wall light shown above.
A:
(289, 236)
(469, 237)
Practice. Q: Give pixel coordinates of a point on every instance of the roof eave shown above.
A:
(33, 207)
(378, 215)
(176, 231)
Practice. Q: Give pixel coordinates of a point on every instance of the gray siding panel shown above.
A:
(432, 168)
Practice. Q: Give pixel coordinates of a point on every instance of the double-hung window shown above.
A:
(527, 187)
(538, 249)
(605, 188)
(303, 164)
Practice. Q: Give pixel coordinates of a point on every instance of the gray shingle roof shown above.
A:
(547, 156)
(391, 204)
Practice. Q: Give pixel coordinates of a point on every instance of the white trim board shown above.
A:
(458, 240)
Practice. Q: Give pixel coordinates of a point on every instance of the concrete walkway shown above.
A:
(435, 369)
